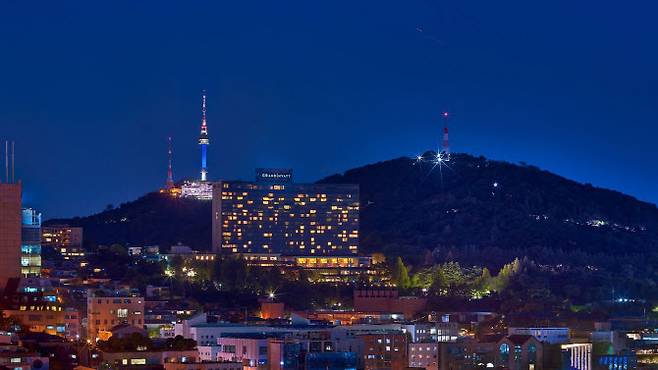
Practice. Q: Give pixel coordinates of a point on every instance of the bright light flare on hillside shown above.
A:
(440, 159)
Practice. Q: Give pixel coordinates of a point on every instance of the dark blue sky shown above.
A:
(90, 90)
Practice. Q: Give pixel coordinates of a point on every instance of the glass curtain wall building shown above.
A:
(31, 243)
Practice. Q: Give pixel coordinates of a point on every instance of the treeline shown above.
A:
(138, 342)
(230, 280)
(451, 279)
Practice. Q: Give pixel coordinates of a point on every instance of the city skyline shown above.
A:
(282, 91)
(374, 185)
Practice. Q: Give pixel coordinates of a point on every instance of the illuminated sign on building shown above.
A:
(274, 174)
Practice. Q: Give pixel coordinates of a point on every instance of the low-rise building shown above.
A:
(388, 300)
(23, 360)
(331, 361)
(424, 355)
(385, 351)
(35, 303)
(124, 359)
(210, 352)
(105, 311)
(203, 366)
(65, 239)
(577, 356)
(249, 349)
(520, 352)
(432, 331)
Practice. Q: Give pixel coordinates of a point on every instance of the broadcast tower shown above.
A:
(170, 173)
(203, 138)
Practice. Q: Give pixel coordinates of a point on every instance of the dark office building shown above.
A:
(275, 215)
(10, 232)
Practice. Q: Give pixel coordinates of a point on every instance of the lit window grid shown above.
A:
(290, 219)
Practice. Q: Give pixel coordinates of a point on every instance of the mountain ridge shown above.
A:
(409, 207)
(481, 202)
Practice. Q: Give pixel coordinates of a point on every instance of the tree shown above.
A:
(401, 274)
(482, 285)
(453, 274)
(233, 273)
(501, 281)
(179, 343)
(118, 250)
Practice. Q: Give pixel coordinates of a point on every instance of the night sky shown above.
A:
(90, 90)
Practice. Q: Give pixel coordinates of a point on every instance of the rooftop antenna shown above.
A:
(446, 143)
(170, 176)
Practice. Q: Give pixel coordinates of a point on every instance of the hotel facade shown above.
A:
(273, 215)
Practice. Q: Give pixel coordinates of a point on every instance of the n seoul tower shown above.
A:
(203, 138)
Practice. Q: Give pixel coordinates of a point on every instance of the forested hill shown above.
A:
(154, 219)
(408, 208)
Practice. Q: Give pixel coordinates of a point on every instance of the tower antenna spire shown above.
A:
(203, 111)
(203, 138)
(445, 147)
(170, 175)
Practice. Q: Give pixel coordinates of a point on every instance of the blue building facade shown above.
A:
(30, 243)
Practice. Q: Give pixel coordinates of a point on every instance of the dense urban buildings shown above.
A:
(273, 215)
(10, 232)
(425, 260)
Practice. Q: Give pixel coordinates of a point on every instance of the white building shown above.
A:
(432, 331)
(200, 190)
(251, 350)
(182, 327)
(209, 353)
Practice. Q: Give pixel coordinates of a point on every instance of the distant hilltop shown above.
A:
(412, 208)
(474, 203)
